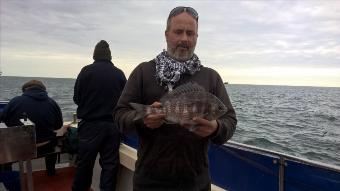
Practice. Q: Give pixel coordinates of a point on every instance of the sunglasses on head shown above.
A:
(178, 10)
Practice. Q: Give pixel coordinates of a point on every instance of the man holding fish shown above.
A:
(177, 107)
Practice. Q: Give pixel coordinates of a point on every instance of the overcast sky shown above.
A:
(252, 42)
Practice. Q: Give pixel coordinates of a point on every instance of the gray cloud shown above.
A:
(240, 34)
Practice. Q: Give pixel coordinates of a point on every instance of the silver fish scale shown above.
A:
(183, 104)
(189, 101)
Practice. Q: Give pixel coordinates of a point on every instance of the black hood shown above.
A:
(36, 93)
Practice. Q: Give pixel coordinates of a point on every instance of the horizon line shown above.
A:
(225, 83)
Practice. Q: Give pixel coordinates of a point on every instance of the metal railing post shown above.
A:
(281, 173)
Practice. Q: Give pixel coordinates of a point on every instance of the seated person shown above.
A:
(43, 111)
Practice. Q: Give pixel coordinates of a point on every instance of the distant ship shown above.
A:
(226, 83)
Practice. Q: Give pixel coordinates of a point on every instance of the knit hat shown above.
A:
(102, 51)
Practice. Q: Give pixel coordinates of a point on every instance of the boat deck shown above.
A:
(61, 181)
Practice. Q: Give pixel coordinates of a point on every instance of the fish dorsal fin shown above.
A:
(187, 87)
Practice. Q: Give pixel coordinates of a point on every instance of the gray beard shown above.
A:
(175, 55)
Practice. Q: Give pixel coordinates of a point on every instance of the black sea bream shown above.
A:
(183, 104)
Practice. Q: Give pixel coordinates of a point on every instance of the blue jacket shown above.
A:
(42, 110)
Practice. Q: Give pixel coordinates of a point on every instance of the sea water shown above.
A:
(300, 121)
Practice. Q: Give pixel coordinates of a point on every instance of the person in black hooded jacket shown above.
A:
(96, 92)
(43, 111)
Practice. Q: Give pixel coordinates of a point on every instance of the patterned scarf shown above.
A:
(169, 71)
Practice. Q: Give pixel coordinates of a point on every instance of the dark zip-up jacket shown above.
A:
(97, 90)
(171, 157)
(42, 110)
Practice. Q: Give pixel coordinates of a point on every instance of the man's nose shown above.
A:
(184, 37)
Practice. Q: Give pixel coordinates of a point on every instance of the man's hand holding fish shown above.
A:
(204, 127)
(154, 120)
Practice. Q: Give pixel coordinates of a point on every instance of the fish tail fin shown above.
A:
(140, 110)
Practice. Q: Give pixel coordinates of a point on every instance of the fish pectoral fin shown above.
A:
(203, 115)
